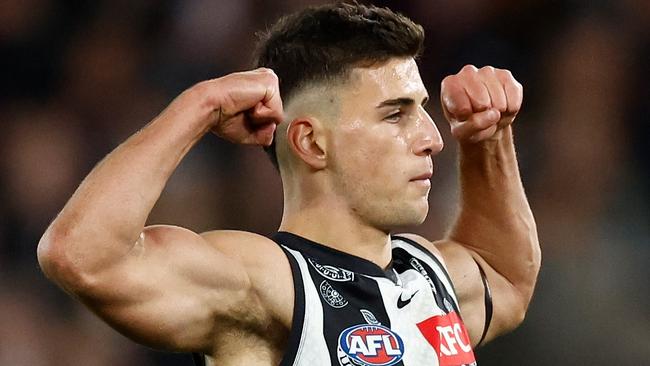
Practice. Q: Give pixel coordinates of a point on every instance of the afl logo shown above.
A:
(370, 345)
(331, 272)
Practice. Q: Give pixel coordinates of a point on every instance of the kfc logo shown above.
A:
(447, 334)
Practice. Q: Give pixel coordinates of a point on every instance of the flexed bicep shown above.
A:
(489, 304)
(170, 289)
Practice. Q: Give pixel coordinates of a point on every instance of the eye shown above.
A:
(394, 117)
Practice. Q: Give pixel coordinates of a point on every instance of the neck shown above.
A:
(336, 227)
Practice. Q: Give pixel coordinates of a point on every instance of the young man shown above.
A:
(354, 147)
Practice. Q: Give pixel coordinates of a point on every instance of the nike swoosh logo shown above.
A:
(402, 303)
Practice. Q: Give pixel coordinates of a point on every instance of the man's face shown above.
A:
(381, 147)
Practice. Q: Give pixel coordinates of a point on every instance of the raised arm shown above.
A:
(157, 284)
(495, 228)
(495, 225)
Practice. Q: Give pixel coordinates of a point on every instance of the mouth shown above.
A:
(424, 176)
(423, 180)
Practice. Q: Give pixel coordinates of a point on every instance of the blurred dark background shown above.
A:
(78, 77)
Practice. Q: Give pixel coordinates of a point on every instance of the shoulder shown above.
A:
(258, 254)
(428, 245)
(266, 265)
(243, 246)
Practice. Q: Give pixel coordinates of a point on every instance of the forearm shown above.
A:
(105, 216)
(495, 219)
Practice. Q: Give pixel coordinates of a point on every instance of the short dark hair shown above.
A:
(325, 42)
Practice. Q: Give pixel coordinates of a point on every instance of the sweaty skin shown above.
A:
(349, 178)
(372, 153)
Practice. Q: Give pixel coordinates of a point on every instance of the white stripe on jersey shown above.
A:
(312, 350)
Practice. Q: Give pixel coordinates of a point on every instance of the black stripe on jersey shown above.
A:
(199, 359)
(298, 318)
(327, 255)
(437, 261)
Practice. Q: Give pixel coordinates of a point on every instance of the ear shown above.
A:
(306, 140)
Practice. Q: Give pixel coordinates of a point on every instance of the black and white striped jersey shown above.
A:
(350, 312)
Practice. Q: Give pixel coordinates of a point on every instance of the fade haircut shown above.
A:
(324, 43)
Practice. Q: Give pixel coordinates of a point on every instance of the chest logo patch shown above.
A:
(331, 272)
(370, 345)
(331, 296)
(447, 334)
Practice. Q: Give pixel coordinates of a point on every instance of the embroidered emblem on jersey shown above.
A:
(331, 272)
(448, 336)
(331, 296)
(370, 317)
(369, 345)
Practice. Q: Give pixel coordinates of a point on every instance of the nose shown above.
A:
(427, 138)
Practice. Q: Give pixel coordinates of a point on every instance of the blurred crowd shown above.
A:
(78, 77)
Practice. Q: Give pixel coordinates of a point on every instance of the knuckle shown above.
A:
(518, 85)
(487, 70)
(268, 72)
(506, 77)
(448, 82)
(469, 68)
(503, 75)
(502, 72)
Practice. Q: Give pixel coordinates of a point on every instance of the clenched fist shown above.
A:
(478, 103)
(243, 107)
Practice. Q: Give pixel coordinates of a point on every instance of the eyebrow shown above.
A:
(400, 102)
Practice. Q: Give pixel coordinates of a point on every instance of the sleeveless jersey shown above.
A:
(350, 312)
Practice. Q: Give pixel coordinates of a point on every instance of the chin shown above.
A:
(418, 221)
(420, 211)
(412, 216)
